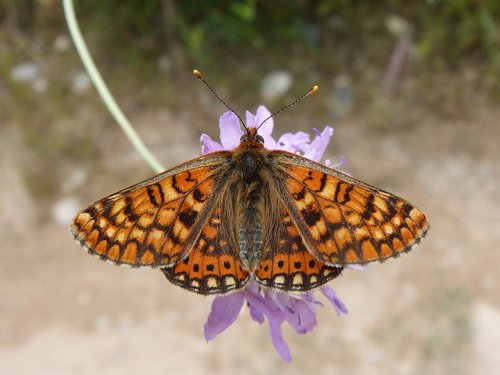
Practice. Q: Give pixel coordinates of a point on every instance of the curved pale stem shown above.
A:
(103, 90)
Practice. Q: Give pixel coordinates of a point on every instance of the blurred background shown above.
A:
(411, 89)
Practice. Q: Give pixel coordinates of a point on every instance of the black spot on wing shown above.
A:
(198, 195)
(188, 217)
(311, 217)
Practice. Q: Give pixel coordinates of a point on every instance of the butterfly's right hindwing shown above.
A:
(286, 264)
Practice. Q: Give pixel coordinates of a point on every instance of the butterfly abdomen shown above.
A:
(250, 240)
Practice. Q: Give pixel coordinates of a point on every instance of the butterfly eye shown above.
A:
(243, 138)
(260, 139)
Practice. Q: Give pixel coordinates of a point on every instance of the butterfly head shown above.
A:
(252, 136)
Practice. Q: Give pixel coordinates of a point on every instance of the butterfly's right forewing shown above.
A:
(343, 220)
(156, 222)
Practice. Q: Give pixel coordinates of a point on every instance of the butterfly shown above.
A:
(215, 222)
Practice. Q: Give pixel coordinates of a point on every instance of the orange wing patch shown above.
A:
(345, 221)
(287, 265)
(213, 266)
(152, 223)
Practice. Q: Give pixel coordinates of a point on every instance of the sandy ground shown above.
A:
(433, 311)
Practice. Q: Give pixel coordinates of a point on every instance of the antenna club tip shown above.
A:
(314, 90)
(197, 74)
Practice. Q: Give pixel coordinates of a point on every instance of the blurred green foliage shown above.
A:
(451, 41)
(454, 29)
(445, 31)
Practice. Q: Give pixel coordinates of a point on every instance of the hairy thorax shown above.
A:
(251, 195)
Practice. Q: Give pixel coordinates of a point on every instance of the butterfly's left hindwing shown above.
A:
(156, 222)
(342, 220)
(214, 265)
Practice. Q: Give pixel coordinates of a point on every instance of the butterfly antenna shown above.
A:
(198, 75)
(313, 90)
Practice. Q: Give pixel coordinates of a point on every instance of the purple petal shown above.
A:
(318, 146)
(309, 298)
(277, 339)
(294, 142)
(267, 306)
(266, 129)
(208, 145)
(278, 300)
(225, 310)
(230, 130)
(301, 316)
(298, 312)
(250, 120)
(261, 115)
(340, 308)
(261, 304)
(256, 314)
(259, 307)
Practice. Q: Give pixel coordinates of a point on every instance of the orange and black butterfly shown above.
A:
(213, 223)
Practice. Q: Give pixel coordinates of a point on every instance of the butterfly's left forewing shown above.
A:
(343, 220)
(156, 222)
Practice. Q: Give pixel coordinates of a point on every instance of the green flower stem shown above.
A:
(103, 90)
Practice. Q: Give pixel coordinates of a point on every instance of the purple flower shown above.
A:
(298, 310)
(231, 132)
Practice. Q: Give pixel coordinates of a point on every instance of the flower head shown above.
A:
(298, 310)
(231, 132)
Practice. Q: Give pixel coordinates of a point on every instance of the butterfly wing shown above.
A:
(343, 220)
(286, 263)
(156, 222)
(213, 266)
